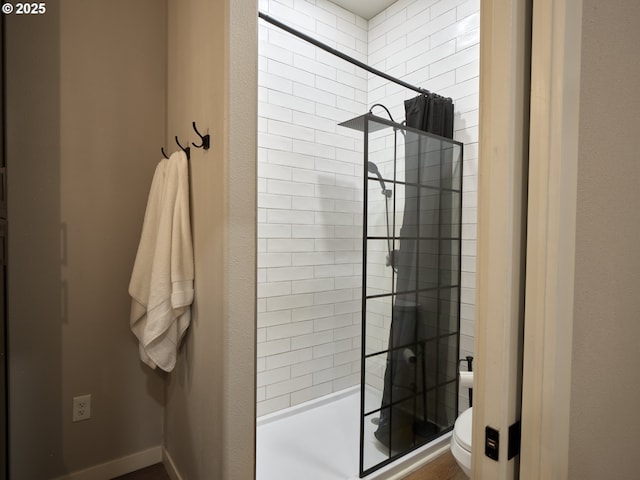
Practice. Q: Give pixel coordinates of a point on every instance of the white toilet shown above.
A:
(461, 441)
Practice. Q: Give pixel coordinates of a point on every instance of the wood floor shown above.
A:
(442, 468)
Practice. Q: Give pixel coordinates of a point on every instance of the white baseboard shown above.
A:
(117, 467)
(170, 465)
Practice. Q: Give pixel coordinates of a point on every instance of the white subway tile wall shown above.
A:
(435, 45)
(309, 205)
(310, 176)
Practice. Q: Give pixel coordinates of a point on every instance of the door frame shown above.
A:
(549, 168)
(553, 172)
(505, 43)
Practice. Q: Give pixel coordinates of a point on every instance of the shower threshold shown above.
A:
(319, 440)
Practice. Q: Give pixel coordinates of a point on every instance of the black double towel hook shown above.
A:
(205, 143)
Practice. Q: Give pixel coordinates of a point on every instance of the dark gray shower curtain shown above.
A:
(410, 368)
(430, 113)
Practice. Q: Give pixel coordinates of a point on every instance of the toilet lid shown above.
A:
(462, 429)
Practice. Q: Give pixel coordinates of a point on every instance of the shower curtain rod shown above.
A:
(337, 53)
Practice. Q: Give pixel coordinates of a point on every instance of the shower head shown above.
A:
(358, 123)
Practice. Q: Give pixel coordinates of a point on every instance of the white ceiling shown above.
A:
(367, 9)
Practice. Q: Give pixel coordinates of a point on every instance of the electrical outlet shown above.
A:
(81, 408)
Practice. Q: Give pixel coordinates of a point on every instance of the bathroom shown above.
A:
(76, 158)
(85, 139)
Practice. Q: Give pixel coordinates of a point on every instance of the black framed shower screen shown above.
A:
(411, 290)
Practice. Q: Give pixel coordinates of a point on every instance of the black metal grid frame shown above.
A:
(365, 239)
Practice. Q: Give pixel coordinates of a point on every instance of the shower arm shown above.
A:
(395, 129)
(385, 108)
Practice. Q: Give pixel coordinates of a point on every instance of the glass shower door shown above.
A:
(411, 290)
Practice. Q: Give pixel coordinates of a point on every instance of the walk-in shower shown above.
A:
(360, 243)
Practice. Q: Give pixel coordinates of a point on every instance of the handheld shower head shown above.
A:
(373, 168)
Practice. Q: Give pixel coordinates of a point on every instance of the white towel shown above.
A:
(161, 285)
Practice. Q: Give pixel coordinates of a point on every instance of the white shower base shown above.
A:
(319, 440)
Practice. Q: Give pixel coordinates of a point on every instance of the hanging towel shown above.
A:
(161, 285)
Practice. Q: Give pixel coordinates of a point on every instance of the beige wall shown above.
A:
(210, 411)
(86, 108)
(604, 425)
(193, 417)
